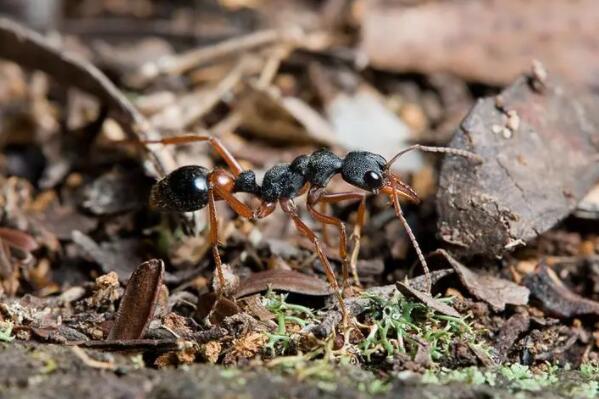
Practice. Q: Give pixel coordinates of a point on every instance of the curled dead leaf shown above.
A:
(428, 300)
(18, 239)
(139, 301)
(555, 297)
(284, 280)
(495, 291)
(214, 308)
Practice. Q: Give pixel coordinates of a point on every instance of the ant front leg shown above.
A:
(213, 222)
(288, 207)
(404, 222)
(318, 196)
(218, 146)
(221, 182)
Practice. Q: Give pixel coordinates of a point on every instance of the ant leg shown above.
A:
(289, 208)
(356, 236)
(444, 150)
(404, 222)
(318, 196)
(265, 209)
(326, 238)
(218, 146)
(222, 183)
(214, 241)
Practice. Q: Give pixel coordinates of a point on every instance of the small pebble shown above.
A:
(513, 121)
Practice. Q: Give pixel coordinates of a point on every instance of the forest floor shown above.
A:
(102, 295)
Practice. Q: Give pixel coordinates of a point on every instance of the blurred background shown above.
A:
(273, 79)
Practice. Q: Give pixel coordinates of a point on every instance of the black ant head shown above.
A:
(364, 170)
(370, 172)
(183, 190)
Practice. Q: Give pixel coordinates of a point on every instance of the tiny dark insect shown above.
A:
(194, 187)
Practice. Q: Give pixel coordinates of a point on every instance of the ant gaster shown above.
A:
(194, 187)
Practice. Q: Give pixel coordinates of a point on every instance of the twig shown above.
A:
(272, 65)
(31, 50)
(203, 101)
(180, 63)
(212, 334)
(133, 345)
(88, 361)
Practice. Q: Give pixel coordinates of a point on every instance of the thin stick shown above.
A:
(406, 226)
(93, 363)
(180, 63)
(271, 67)
(444, 150)
(31, 50)
(198, 104)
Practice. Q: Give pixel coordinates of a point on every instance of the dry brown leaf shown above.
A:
(139, 301)
(555, 297)
(428, 300)
(495, 291)
(284, 280)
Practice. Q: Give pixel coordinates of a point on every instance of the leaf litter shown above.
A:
(84, 261)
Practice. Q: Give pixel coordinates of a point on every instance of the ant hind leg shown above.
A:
(216, 144)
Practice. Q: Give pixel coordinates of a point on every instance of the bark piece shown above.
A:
(497, 292)
(139, 301)
(540, 158)
(556, 298)
(509, 333)
(488, 41)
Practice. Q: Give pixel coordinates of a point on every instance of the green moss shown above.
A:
(400, 325)
(6, 332)
(590, 370)
(521, 377)
(286, 314)
(468, 375)
(585, 390)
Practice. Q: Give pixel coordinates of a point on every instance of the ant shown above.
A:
(193, 187)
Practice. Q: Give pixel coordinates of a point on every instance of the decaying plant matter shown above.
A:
(137, 261)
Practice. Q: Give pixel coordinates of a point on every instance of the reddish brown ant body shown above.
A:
(193, 187)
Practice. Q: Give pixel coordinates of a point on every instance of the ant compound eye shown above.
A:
(373, 179)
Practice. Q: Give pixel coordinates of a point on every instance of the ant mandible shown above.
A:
(193, 187)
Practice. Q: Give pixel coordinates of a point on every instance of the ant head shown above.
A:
(183, 190)
(370, 172)
(364, 170)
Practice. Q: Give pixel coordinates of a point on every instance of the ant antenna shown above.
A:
(444, 150)
(404, 222)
